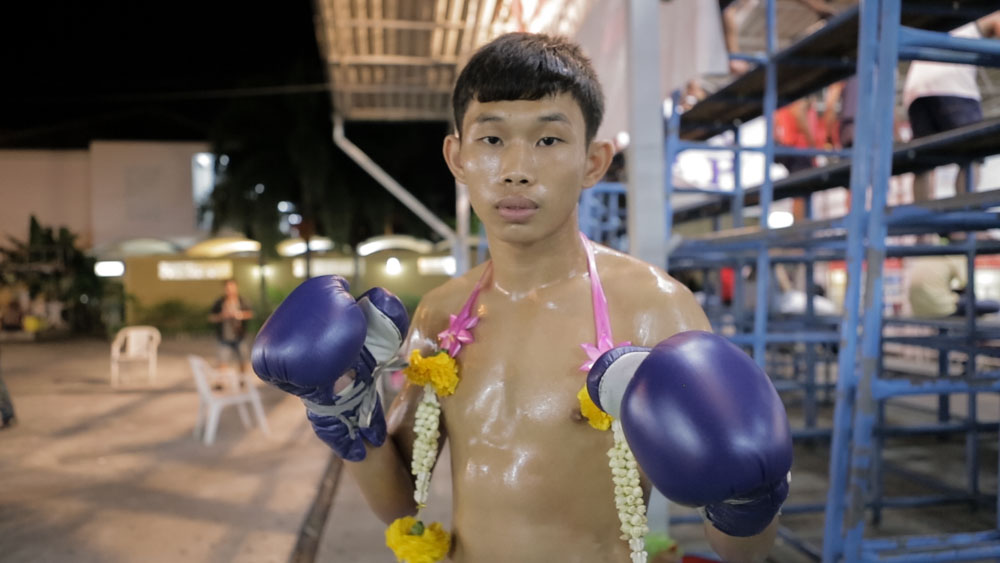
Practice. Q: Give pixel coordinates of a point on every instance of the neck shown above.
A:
(521, 268)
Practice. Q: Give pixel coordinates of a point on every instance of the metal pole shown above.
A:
(767, 188)
(647, 222)
(833, 541)
(388, 182)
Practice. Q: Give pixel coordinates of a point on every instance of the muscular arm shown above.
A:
(832, 99)
(681, 312)
(800, 109)
(384, 475)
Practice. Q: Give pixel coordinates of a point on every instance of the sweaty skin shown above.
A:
(530, 477)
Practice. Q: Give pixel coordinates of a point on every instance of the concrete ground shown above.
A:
(93, 474)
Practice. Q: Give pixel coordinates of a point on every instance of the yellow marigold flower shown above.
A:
(415, 372)
(595, 416)
(440, 370)
(429, 545)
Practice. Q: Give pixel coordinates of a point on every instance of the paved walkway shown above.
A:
(96, 475)
(91, 474)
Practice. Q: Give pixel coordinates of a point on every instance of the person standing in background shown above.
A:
(230, 314)
(944, 96)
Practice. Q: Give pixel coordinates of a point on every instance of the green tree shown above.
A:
(50, 264)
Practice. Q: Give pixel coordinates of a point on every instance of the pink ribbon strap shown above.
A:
(602, 321)
(459, 331)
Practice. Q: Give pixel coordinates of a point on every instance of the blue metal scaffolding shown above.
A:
(868, 41)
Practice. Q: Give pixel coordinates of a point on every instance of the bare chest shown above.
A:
(524, 366)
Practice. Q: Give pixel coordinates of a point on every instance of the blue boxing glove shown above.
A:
(319, 333)
(705, 423)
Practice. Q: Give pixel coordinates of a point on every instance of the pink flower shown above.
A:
(458, 332)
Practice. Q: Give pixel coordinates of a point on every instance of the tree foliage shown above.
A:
(49, 263)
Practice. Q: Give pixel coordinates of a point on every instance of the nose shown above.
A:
(518, 166)
(516, 178)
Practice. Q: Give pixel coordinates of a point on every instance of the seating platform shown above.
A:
(974, 141)
(822, 58)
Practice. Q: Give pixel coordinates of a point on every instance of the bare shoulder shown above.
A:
(449, 297)
(430, 318)
(432, 313)
(655, 304)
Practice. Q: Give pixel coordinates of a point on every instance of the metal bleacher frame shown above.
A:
(867, 40)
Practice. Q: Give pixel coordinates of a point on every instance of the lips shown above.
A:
(516, 209)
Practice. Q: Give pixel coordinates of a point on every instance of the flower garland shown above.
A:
(408, 538)
(625, 475)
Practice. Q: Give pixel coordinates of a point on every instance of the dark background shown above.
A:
(239, 75)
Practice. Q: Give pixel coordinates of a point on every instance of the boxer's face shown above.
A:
(525, 163)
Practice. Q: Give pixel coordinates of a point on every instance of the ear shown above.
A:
(452, 148)
(599, 156)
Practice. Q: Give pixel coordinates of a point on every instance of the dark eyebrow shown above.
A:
(554, 117)
(488, 117)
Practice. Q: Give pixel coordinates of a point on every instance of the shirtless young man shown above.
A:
(530, 477)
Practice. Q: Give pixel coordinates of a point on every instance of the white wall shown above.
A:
(52, 185)
(142, 189)
(117, 190)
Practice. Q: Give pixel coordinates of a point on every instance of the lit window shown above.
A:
(178, 270)
(436, 265)
(323, 267)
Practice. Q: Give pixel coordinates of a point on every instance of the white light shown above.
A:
(294, 219)
(285, 206)
(224, 159)
(400, 242)
(204, 159)
(259, 188)
(780, 219)
(621, 140)
(174, 270)
(436, 265)
(255, 272)
(323, 267)
(109, 268)
(295, 247)
(393, 267)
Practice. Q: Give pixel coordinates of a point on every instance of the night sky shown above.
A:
(140, 69)
(73, 72)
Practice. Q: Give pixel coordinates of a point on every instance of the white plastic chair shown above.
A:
(211, 402)
(134, 343)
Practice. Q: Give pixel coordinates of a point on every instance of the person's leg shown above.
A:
(922, 113)
(7, 417)
(242, 350)
(955, 112)
(222, 353)
(228, 357)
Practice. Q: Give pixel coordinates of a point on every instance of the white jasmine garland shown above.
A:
(628, 494)
(425, 445)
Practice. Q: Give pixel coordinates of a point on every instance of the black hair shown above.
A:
(528, 66)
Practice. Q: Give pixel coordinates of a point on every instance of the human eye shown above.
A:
(491, 140)
(549, 141)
